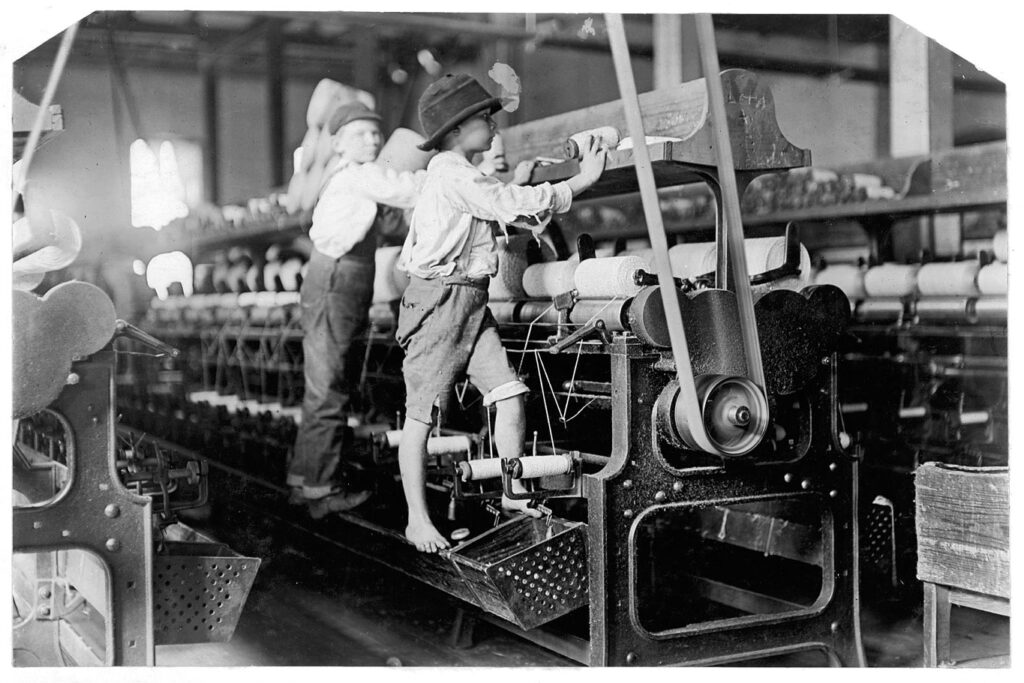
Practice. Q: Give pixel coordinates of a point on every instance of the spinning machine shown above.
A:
(698, 501)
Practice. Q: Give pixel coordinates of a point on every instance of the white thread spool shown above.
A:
(392, 438)
(1001, 245)
(688, 260)
(866, 180)
(270, 272)
(385, 286)
(237, 277)
(606, 136)
(507, 283)
(254, 278)
(845, 276)
(436, 445)
(762, 254)
(891, 280)
(504, 312)
(604, 278)
(992, 280)
(289, 274)
(535, 466)
(646, 254)
(545, 280)
(307, 157)
(948, 279)
(446, 445)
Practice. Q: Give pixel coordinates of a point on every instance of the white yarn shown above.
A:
(289, 274)
(948, 279)
(503, 311)
(891, 279)
(647, 254)
(846, 277)
(604, 278)
(763, 254)
(546, 280)
(270, 272)
(507, 283)
(1001, 245)
(992, 279)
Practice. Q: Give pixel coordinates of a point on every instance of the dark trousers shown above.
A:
(336, 296)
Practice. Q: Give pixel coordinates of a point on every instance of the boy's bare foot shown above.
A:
(425, 537)
(519, 506)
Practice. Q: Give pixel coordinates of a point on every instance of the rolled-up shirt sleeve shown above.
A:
(526, 206)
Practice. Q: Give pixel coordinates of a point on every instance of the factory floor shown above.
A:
(314, 605)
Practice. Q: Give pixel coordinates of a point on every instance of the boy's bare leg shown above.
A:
(412, 453)
(509, 431)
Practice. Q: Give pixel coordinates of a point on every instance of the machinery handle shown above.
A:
(595, 326)
(123, 328)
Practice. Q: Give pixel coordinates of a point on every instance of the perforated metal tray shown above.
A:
(528, 571)
(199, 590)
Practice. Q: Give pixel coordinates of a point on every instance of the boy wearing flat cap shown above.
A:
(450, 254)
(359, 203)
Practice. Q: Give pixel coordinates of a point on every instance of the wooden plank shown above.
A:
(963, 527)
(936, 624)
(985, 603)
(680, 112)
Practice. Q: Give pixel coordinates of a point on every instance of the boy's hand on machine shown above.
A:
(523, 172)
(593, 160)
(522, 506)
(591, 166)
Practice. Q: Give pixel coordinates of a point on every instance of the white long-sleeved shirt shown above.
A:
(451, 228)
(348, 203)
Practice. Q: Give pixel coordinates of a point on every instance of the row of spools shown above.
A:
(966, 278)
(235, 288)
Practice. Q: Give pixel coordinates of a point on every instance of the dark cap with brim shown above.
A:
(349, 112)
(448, 102)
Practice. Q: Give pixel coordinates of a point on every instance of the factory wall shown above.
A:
(82, 172)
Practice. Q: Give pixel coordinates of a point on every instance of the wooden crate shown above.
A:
(963, 527)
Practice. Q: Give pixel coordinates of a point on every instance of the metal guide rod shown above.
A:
(730, 199)
(656, 231)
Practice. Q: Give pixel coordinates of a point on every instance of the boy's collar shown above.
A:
(448, 156)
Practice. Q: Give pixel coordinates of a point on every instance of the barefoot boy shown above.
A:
(450, 253)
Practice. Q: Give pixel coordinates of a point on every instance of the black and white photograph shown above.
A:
(450, 337)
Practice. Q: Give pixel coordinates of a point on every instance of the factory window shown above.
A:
(166, 180)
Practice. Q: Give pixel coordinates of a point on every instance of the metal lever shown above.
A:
(595, 326)
(791, 266)
(644, 279)
(123, 328)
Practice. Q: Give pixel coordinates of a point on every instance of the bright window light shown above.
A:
(166, 179)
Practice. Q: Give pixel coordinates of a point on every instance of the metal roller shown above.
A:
(612, 314)
(991, 310)
(436, 445)
(734, 414)
(528, 467)
(880, 310)
(957, 309)
(539, 311)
